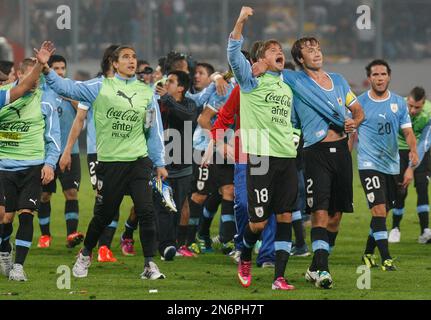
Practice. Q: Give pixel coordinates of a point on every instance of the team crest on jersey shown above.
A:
(99, 184)
(394, 107)
(200, 185)
(340, 101)
(259, 211)
(371, 197)
(310, 202)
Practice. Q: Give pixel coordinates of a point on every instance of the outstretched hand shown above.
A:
(46, 50)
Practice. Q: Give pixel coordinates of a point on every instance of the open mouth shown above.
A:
(279, 60)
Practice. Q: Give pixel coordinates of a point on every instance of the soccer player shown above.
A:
(177, 112)
(70, 179)
(415, 103)
(202, 76)
(30, 147)
(320, 107)
(129, 142)
(85, 113)
(266, 105)
(378, 160)
(7, 68)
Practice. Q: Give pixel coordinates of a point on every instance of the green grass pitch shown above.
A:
(213, 276)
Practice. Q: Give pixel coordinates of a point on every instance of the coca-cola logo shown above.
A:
(18, 126)
(283, 100)
(128, 115)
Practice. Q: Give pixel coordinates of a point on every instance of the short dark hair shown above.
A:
(297, 47)
(106, 62)
(210, 69)
(254, 49)
(141, 62)
(418, 93)
(26, 63)
(289, 65)
(56, 58)
(246, 55)
(377, 62)
(6, 66)
(183, 79)
(262, 48)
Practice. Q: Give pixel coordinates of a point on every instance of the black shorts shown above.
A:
(273, 192)
(421, 173)
(22, 189)
(69, 179)
(209, 179)
(380, 188)
(92, 164)
(328, 175)
(2, 198)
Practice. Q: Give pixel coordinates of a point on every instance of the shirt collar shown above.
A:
(125, 79)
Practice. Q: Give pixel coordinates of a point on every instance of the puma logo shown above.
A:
(33, 201)
(123, 95)
(17, 111)
(382, 115)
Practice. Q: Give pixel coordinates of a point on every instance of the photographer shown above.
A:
(177, 113)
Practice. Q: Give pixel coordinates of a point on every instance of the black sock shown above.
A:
(320, 245)
(249, 240)
(71, 212)
(332, 236)
(283, 245)
(423, 220)
(44, 216)
(7, 232)
(371, 243)
(205, 223)
(108, 235)
(228, 227)
(24, 235)
(182, 235)
(397, 216)
(129, 227)
(195, 214)
(378, 224)
(298, 229)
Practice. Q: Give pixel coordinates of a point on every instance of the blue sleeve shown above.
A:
(405, 121)
(240, 66)
(424, 142)
(4, 98)
(155, 140)
(294, 118)
(52, 130)
(81, 91)
(202, 97)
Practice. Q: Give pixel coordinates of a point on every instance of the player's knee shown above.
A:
(199, 198)
(257, 227)
(379, 210)
(228, 192)
(46, 197)
(8, 218)
(71, 194)
(132, 215)
(285, 217)
(319, 219)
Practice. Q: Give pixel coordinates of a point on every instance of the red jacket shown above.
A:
(225, 119)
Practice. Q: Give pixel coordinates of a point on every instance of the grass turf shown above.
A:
(213, 276)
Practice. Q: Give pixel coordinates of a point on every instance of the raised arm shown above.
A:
(42, 56)
(240, 66)
(81, 91)
(202, 97)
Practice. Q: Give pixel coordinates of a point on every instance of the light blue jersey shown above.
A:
(66, 114)
(378, 134)
(4, 97)
(316, 108)
(215, 103)
(91, 133)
